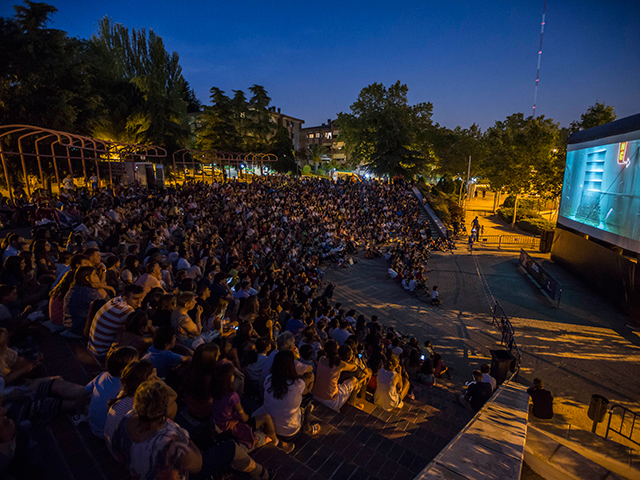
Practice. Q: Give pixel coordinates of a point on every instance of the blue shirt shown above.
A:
(102, 389)
(295, 326)
(163, 360)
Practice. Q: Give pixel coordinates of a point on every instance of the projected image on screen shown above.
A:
(601, 193)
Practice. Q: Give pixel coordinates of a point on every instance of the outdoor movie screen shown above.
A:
(601, 191)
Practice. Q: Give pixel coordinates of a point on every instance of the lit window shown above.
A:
(328, 134)
(317, 134)
(311, 135)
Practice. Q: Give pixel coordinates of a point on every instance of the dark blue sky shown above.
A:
(475, 61)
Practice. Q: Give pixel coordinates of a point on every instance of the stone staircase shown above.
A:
(424, 215)
(556, 452)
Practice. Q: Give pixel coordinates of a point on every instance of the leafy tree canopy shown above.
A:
(237, 124)
(596, 115)
(384, 133)
(520, 155)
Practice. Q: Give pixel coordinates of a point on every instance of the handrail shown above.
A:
(508, 334)
(634, 416)
(509, 240)
(442, 229)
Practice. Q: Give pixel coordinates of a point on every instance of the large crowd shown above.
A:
(206, 308)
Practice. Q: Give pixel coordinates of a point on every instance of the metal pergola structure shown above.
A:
(186, 158)
(86, 149)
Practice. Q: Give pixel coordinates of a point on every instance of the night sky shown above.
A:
(475, 61)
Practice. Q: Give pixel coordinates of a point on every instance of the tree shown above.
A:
(385, 134)
(44, 80)
(218, 130)
(259, 128)
(316, 153)
(596, 115)
(521, 158)
(452, 149)
(160, 116)
(237, 124)
(282, 146)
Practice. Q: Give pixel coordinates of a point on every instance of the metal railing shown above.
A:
(633, 415)
(440, 227)
(520, 240)
(501, 320)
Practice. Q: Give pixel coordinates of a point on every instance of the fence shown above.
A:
(501, 320)
(545, 281)
(631, 429)
(520, 240)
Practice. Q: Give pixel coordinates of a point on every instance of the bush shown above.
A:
(507, 214)
(524, 203)
(526, 220)
(321, 172)
(306, 169)
(535, 225)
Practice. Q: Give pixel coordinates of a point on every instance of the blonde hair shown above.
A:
(393, 361)
(151, 400)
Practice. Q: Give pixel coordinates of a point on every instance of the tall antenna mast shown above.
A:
(535, 95)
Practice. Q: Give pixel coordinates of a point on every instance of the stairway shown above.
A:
(556, 453)
(424, 216)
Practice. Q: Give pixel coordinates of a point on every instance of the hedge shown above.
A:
(526, 220)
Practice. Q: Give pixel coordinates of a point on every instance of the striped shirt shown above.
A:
(116, 413)
(106, 324)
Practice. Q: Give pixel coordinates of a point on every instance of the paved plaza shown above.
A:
(586, 346)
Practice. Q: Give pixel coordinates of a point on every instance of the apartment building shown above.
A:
(325, 135)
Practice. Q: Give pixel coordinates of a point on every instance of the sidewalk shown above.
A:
(492, 223)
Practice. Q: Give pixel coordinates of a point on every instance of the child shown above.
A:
(160, 354)
(254, 369)
(64, 259)
(306, 356)
(227, 413)
(434, 296)
(105, 387)
(310, 337)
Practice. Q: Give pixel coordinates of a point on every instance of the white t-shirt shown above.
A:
(255, 369)
(340, 335)
(183, 264)
(285, 412)
(301, 368)
(486, 378)
(386, 394)
(434, 294)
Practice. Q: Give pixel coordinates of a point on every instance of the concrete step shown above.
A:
(604, 451)
(556, 458)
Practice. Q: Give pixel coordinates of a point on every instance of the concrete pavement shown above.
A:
(587, 346)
